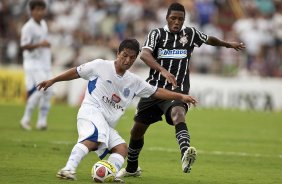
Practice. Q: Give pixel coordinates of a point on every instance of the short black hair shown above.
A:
(175, 7)
(132, 44)
(36, 3)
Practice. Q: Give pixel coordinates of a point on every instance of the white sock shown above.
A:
(117, 160)
(30, 105)
(78, 152)
(44, 106)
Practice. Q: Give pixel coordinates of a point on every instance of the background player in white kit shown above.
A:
(111, 89)
(36, 64)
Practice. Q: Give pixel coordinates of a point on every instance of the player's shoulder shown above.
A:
(96, 65)
(133, 77)
(100, 61)
(156, 30)
(193, 28)
(102, 64)
(189, 28)
(28, 25)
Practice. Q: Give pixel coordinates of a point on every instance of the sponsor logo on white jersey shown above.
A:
(173, 54)
(113, 102)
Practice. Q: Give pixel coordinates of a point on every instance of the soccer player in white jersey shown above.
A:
(111, 88)
(36, 64)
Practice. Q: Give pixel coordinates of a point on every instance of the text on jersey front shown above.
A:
(173, 54)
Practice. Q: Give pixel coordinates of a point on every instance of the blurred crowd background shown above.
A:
(81, 30)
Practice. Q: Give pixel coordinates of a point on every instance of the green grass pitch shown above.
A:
(234, 147)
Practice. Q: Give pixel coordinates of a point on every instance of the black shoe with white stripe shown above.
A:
(188, 159)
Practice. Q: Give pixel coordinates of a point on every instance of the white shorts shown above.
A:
(94, 127)
(34, 77)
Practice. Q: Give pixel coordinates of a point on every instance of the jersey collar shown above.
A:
(32, 19)
(167, 29)
(115, 72)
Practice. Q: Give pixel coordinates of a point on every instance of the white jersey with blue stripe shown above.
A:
(109, 92)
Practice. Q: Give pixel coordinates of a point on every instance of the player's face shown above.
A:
(175, 21)
(38, 13)
(126, 58)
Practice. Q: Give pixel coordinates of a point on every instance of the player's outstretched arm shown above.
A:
(66, 76)
(217, 42)
(170, 95)
(147, 57)
(44, 43)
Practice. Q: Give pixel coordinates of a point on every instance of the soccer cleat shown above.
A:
(123, 173)
(25, 125)
(41, 127)
(66, 174)
(188, 159)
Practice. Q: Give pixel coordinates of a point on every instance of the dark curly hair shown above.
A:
(175, 7)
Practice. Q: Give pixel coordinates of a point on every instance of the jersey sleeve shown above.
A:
(152, 39)
(145, 89)
(26, 36)
(88, 70)
(199, 37)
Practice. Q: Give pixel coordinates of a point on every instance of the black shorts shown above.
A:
(150, 110)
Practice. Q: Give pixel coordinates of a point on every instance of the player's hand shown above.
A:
(237, 46)
(45, 43)
(169, 77)
(189, 99)
(44, 85)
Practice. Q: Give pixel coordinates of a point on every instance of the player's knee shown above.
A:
(138, 131)
(178, 114)
(92, 146)
(135, 134)
(120, 149)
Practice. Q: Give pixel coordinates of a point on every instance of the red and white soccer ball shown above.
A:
(103, 171)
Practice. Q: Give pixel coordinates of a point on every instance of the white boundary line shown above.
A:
(241, 154)
(170, 150)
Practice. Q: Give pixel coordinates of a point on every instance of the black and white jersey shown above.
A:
(173, 52)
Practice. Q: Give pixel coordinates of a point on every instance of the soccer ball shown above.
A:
(103, 171)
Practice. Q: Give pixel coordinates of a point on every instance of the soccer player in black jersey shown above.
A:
(167, 52)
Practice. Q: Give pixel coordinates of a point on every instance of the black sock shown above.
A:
(182, 136)
(135, 147)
